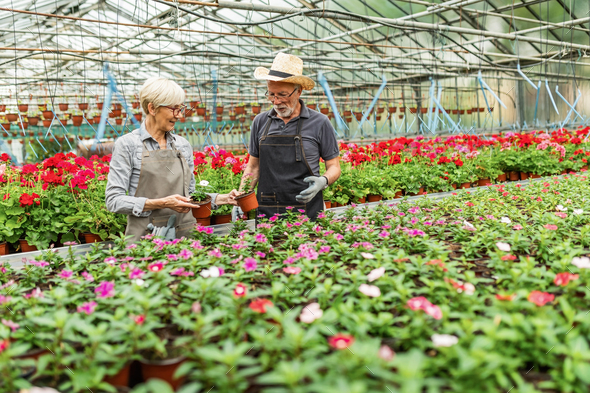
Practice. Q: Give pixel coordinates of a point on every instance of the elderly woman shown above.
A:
(151, 172)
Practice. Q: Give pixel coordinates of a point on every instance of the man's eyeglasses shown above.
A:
(281, 97)
(177, 111)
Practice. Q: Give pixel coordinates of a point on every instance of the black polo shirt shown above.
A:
(317, 134)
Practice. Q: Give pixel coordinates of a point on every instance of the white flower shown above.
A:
(213, 271)
(444, 340)
(375, 274)
(503, 246)
(468, 225)
(386, 353)
(204, 183)
(469, 288)
(505, 220)
(367, 255)
(139, 282)
(561, 208)
(581, 262)
(578, 211)
(310, 313)
(370, 290)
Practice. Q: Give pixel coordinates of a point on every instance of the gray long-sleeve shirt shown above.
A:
(125, 168)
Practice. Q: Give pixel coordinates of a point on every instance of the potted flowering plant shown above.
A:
(201, 198)
(240, 108)
(247, 201)
(219, 108)
(255, 107)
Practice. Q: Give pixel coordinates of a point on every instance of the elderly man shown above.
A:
(287, 142)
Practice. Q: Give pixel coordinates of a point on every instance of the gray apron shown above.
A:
(283, 167)
(164, 172)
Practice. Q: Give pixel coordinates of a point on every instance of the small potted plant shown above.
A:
(83, 106)
(324, 109)
(219, 108)
(201, 109)
(2, 106)
(34, 118)
(63, 104)
(138, 115)
(347, 111)
(240, 108)
(232, 115)
(255, 107)
(311, 104)
(77, 118)
(22, 107)
(247, 201)
(201, 198)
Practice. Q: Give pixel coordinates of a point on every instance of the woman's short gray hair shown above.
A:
(160, 92)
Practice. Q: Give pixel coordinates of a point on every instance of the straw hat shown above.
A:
(285, 68)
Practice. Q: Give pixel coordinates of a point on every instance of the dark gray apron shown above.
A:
(163, 173)
(283, 167)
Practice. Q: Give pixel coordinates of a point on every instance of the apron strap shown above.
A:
(266, 128)
(146, 152)
(298, 148)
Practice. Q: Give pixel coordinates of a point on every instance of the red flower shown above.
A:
(4, 157)
(540, 298)
(259, 305)
(27, 200)
(4, 344)
(6, 197)
(341, 341)
(240, 290)
(394, 159)
(508, 257)
(562, 279)
(458, 162)
(505, 297)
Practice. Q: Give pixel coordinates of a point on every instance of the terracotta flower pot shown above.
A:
(358, 116)
(204, 210)
(239, 110)
(465, 185)
(361, 200)
(585, 168)
(23, 108)
(205, 222)
(63, 107)
(99, 105)
(25, 246)
(118, 121)
(222, 219)
(324, 111)
(535, 176)
(135, 105)
(454, 111)
(328, 204)
(4, 248)
(374, 198)
(247, 201)
(12, 116)
(96, 119)
(201, 111)
(311, 106)
(2, 108)
(117, 106)
(502, 177)
(413, 110)
(163, 369)
(514, 176)
(116, 112)
(256, 109)
(83, 106)
(24, 125)
(392, 109)
(524, 175)
(33, 120)
(91, 238)
(484, 182)
(397, 195)
(137, 116)
(423, 110)
(121, 378)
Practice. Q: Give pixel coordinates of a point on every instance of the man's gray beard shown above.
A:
(284, 114)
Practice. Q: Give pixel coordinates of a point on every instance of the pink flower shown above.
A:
(35, 293)
(517, 227)
(197, 245)
(5, 299)
(386, 353)
(240, 290)
(289, 260)
(136, 273)
(65, 274)
(433, 311)
(12, 325)
(181, 272)
(215, 253)
(87, 308)
(234, 261)
(417, 303)
(383, 234)
(550, 227)
(292, 270)
(87, 276)
(139, 319)
(172, 257)
(310, 313)
(562, 279)
(341, 341)
(324, 249)
(105, 289)
(260, 254)
(260, 238)
(196, 308)
(375, 274)
(250, 264)
(540, 298)
(185, 254)
(505, 297)
(156, 266)
(370, 290)
(110, 260)
(503, 246)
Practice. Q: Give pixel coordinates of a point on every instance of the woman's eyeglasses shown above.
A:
(281, 97)
(177, 111)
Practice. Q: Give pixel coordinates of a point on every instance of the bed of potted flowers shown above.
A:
(480, 291)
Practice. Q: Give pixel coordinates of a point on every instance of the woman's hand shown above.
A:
(178, 203)
(228, 199)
